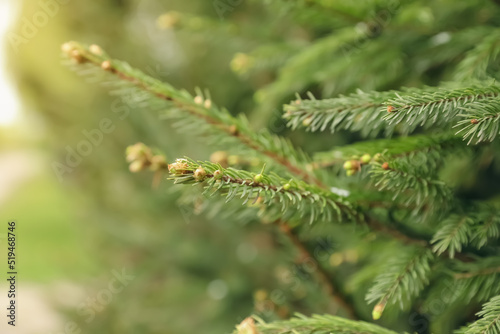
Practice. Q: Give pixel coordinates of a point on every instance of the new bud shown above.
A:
(179, 167)
(247, 326)
(366, 158)
(137, 151)
(377, 311)
(137, 166)
(106, 65)
(198, 99)
(307, 121)
(258, 178)
(200, 174)
(68, 47)
(218, 174)
(77, 56)
(96, 49)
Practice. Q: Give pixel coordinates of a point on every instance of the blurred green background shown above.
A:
(191, 272)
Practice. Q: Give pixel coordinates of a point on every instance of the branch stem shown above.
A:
(329, 285)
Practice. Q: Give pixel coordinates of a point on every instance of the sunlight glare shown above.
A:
(9, 103)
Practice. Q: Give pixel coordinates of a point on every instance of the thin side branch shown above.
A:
(331, 288)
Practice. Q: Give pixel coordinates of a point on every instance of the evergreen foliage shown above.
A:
(477, 281)
(316, 324)
(490, 319)
(399, 188)
(402, 278)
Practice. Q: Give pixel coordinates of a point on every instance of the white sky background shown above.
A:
(9, 102)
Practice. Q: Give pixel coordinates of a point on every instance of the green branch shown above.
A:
(454, 234)
(476, 61)
(204, 114)
(424, 146)
(489, 322)
(477, 280)
(356, 112)
(439, 106)
(281, 198)
(412, 181)
(325, 324)
(374, 112)
(481, 121)
(402, 278)
(486, 227)
(292, 197)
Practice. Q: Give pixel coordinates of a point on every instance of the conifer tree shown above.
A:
(415, 190)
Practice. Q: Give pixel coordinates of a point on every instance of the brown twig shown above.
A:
(323, 276)
(487, 271)
(396, 234)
